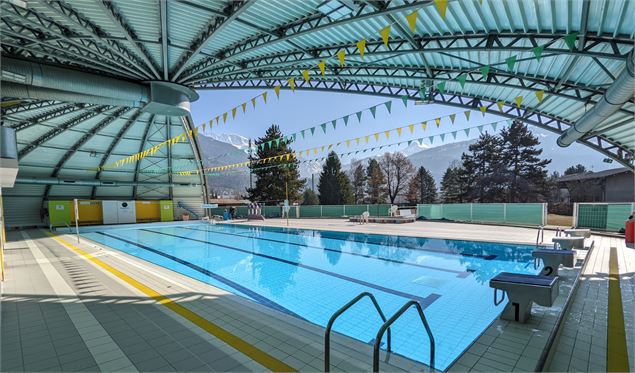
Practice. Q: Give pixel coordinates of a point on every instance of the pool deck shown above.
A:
(69, 306)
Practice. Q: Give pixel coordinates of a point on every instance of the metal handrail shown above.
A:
(329, 325)
(390, 321)
(540, 236)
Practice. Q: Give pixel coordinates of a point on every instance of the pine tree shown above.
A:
(422, 188)
(526, 172)
(375, 183)
(452, 187)
(334, 186)
(310, 198)
(359, 183)
(270, 181)
(482, 171)
(577, 169)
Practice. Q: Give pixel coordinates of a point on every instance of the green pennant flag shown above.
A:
(538, 51)
(388, 105)
(442, 136)
(494, 125)
(302, 132)
(485, 71)
(359, 116)
(277, 142)
(372, 110)
(262, 146)
(467, 114)
(461, 78)
(334, 124)
(323, 125)
(269, 143)
(570, 40)
(467, 132)
(409, 142)
(452, 118)
(511, 61)
(404, 98)
(346, 120)
(480, 129)
(441, 87)
(293, 136)
(312, 131)
(431, 138)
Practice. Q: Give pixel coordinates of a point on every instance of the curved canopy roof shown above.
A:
(213, 44)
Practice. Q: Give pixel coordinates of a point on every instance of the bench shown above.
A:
(568, 243)
(552, 259)
(522, 290)
(405, 213)
(586, 233)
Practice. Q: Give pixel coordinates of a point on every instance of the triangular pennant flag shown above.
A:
(467, 114)
(385, 34)
(467, 132)
(500, 105)
(437, 121)
(204, 124)
(511, 61)
(441, 87)
(225, 117)
(411, 127)
(519, 100)
(323, 146)
(538, 51)
(377, 136)
(461, 78)
(330, 146)
(357, 141)
(442, 5)
(277, 90)
(312, 131)
(264, 96)
(366, 138)
(480, 129)
(322, 66)
(388, 105)
(253, 102)
(404, 98)
(244, 107)
(570, 40)
(442, 136)
(234, 113)
(399, 131)
(217, 120)
(431, 138)
(334, 124)
(410, 142)
(348, 143)
(494, 125)
(305, 75)
(359, 116)
(452, 118)
(412, 21)
(292, 83)
(361, 46)
(341, 55)
(372, 110)
(485, 71)
(483, 109)
(323, 125)
(424, 125)
(387, 133)
(346, 120)
(540, 95)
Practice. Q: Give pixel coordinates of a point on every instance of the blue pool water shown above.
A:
(309, 274)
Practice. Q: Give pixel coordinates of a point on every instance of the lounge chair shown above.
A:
(522, 290)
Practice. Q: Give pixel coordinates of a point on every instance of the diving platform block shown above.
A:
(523, 290)
(586, 233)
(568, 243)
(552, 260)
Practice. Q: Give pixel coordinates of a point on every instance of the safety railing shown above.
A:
(540, 236)
(340, 311)
(394, 318)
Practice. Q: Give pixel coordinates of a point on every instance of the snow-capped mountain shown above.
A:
(413, 148)
(237, 141)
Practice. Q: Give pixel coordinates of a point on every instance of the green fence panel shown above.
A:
(379, 210)
(525, 213)
(310, 211)
(510, 213)
(352, 210)
(242, 212)
(616, 216)
(272, 211)
(603, 216)
(332, 211)
(488, 212)
(457, 211)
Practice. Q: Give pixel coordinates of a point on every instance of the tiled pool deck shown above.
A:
(84, 307)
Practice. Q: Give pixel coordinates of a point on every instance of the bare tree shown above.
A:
(398, 170)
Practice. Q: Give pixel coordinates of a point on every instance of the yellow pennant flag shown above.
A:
(277, 90)
(500, 105)
(323, 147)
(412, 21)
(264, 97)
(387, 133)
(348, 143)
(234, 113)
(244, 107)
(442, 6)
(483, 109)
(315, 150)
(253, 102)
(292, 83)
(467, 114)
(519, 100)
(195, 131)
(377, 136)
(385, 34)
(330, 146)
(217, 120)
(540, 95)
(357, 141)
(305, 75)
(399, 131)
(361, 45)
(424, 125)
(366, 138)
(322, 66)
(437, 121)
(411, 127)
(340, 55)
(204, 125)
(225, 117)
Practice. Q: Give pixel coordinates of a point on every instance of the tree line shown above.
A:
(496, 168)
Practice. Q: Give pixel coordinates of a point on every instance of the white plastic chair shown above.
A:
(393, 210)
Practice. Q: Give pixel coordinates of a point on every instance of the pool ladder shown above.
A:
(385, 327)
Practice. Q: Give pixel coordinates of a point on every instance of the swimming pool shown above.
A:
(309, 274)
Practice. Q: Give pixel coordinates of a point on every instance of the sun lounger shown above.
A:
(552, 260)
(522, 290)
(568, 243)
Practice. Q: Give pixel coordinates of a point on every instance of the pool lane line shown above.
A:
(250, 293)
(460, 274)
(424, 301)
(232, 340)
(616, 348)
(287, 230)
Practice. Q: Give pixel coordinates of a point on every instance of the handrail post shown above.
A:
(390, 321)
(341, 310)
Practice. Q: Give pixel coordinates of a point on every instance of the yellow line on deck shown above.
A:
(616, 350)
(247, 349)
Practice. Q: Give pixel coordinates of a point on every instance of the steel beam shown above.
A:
(141, 147)
(67, 109)
(163, 9)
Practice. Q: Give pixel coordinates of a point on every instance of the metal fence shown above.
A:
(505, 213)
(311, 211)
(602, 216)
